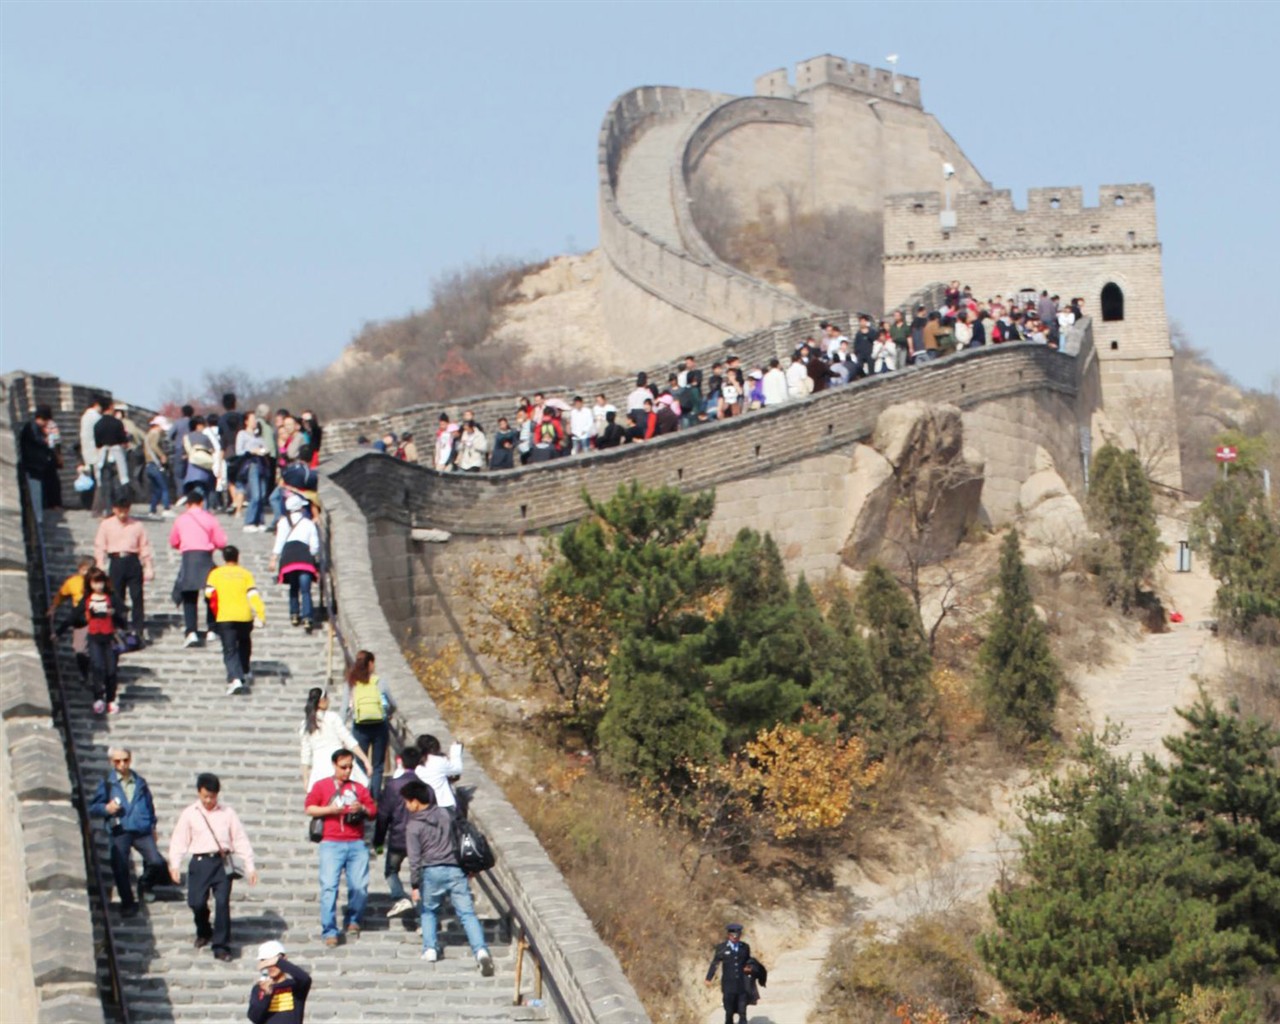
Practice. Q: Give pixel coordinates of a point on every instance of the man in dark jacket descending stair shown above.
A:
(731, 957)
(124, 799)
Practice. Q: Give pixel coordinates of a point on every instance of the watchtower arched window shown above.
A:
(1112, 302)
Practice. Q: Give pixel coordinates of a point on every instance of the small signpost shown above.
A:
(1226, 454)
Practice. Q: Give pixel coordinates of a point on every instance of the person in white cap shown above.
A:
(280, 996)
(296, 558)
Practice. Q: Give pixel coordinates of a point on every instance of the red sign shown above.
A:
(1226, 454)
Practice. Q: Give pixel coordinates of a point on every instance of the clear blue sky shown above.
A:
(191, 186)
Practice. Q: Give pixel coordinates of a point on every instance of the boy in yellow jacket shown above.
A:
(235, 603)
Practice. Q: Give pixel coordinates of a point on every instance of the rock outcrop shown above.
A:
(1053, 523)
(917, 487)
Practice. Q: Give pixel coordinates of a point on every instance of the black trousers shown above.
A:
(154, 870)
(205, 875)
(102, 663)
(735, 1003)
(190, 612)
(237, 646)
(125, 571)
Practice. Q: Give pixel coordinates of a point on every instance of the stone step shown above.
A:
(177, 719)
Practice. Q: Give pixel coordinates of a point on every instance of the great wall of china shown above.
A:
(785, 470)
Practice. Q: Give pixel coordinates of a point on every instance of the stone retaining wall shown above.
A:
(53, 866)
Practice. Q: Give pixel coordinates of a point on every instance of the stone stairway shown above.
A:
(178, 722)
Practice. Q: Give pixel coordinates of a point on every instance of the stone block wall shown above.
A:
(53, 873)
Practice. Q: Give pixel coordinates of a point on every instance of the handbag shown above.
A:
(232, 862)
(315, 829)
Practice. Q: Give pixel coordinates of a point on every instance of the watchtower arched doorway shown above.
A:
(1112, 302)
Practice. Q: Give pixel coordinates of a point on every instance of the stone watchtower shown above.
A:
(1108, 255)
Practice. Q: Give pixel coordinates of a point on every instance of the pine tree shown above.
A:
(1121, 509)
(1242, 537)
(1020, 677)
(900, 657)
(758, 658)
(1224, 786)
(1096, 928)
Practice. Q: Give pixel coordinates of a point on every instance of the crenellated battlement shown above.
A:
(880, 83)
(1054, 218)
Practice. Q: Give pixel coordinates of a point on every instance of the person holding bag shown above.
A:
(212, 834)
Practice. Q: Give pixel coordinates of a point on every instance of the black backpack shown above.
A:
(471, 848)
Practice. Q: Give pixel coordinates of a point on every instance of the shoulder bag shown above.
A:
(232, 862)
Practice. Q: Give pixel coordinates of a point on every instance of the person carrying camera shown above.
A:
(345, 806)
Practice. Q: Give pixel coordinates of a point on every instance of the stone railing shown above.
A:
(585, 975)
(53, 872)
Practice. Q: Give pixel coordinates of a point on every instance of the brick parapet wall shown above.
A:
(547, 495)
(53, 872)
(703, 287)
(586, 973)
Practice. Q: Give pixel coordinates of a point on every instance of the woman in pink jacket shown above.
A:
(197, 535)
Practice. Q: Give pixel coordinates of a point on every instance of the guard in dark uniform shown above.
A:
(731, 957)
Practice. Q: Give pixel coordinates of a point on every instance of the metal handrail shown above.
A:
(493, 889)
(97, 886)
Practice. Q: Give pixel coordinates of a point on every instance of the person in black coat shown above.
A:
(730, 957)
(39, 461)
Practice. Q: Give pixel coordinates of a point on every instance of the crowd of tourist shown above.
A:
(542, 428)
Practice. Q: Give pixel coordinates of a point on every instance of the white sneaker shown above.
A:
(235, 686)
(400, 906)
(99, 707)
(192, 640)
(486, 963)
(113, 708)
(430, 955)
(167, 514)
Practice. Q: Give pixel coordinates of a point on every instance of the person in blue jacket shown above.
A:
(123, 798)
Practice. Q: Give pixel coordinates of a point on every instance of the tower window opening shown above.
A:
(1112, 302)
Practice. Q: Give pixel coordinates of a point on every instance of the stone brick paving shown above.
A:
(644, 179)
(175, 717)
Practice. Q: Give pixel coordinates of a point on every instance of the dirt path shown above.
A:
(968, 849)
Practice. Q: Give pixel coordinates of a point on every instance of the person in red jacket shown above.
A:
(102, 614)
(345, 806)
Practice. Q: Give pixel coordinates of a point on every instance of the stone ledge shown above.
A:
(39, 766)
(71, 1008)
(24, 692)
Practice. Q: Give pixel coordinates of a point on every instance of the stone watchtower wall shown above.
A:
(1107, 254)
(844, 135)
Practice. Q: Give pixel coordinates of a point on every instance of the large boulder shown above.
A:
(917, 488)
(1053, 525)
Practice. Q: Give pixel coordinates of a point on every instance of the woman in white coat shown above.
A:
(323, 732)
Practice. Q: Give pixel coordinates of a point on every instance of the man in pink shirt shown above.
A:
(122, 548)
(207, 830)
(197, 535)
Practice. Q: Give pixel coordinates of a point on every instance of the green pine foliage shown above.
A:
(759, 658)
(1141, 888)
(1242, 538)
(1225, 782)
(845, 681)
(899, 707)
(1121, 509)
(1020, 677)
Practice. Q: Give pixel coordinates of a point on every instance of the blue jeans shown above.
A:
(436, 883)
(300, 595)
(159, 486)
(253, 493)
(391, 871)
(35, 487)
(337, 856)
(276, 500)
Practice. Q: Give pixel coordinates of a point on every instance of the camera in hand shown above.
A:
(355, 817)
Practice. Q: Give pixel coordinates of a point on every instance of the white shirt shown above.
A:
(833, 344)
(798, 382)
(89, 450)
(435, 772)
(775, 387)
(638, 397)
(581, 423)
